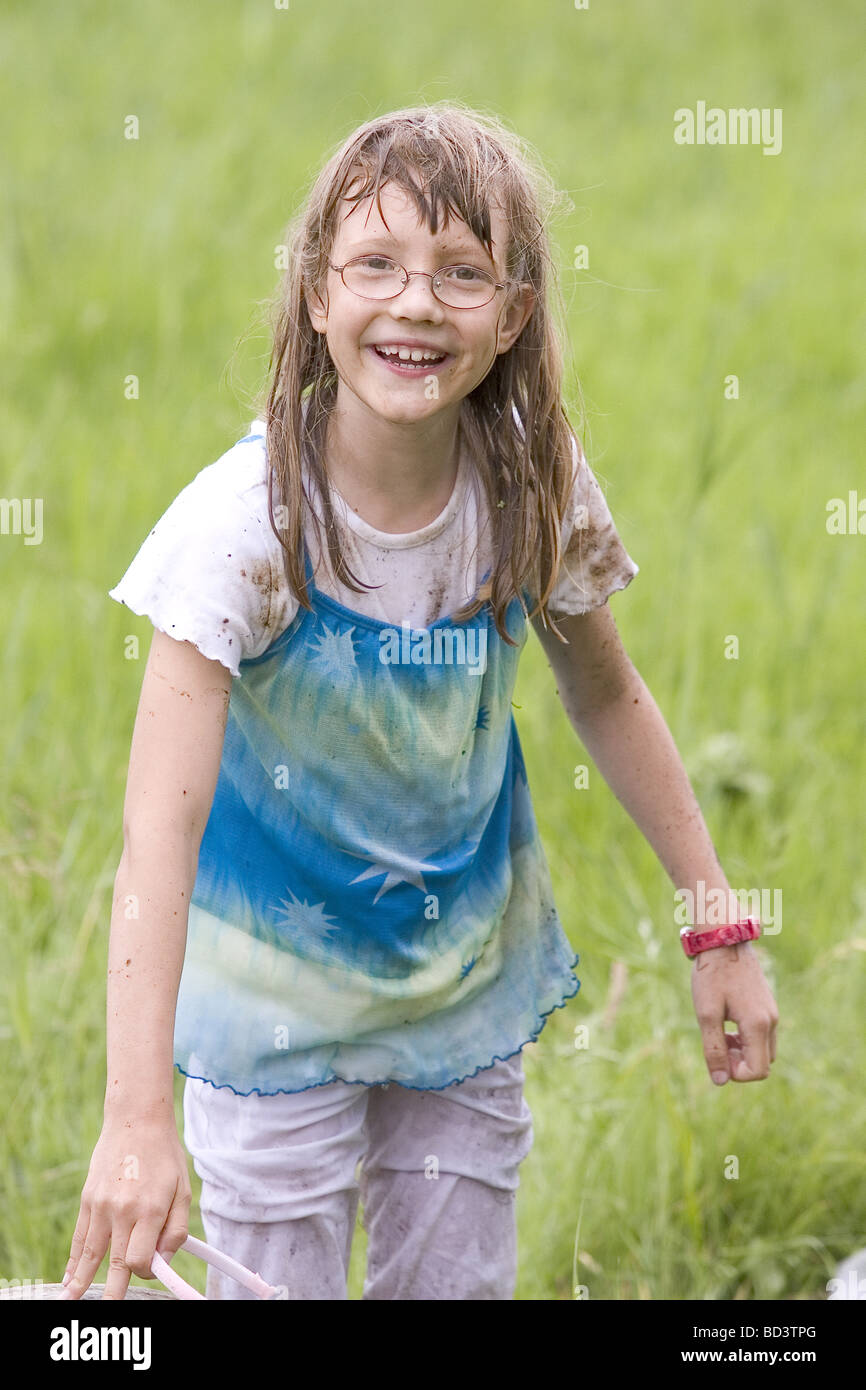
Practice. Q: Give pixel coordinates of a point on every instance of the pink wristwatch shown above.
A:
(695, 941)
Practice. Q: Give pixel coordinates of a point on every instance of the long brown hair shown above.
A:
(462, 158)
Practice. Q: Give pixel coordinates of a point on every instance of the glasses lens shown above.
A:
(464, 286)
(374, 277)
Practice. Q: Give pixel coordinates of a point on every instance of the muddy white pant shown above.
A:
(436, 1172)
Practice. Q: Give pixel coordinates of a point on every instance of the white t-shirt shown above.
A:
(211, 570)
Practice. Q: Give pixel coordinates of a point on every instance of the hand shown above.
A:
(728, 983)
(136, 1198)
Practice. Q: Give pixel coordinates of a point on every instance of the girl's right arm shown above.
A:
(137, 1194)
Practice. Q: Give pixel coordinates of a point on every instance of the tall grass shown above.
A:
(148, 258)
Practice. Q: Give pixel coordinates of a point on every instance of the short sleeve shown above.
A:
(595, 563)
(204, 574)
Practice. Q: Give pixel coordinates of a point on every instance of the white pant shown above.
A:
(438, 1181)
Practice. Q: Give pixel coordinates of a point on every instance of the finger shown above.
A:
(117, 1279)
(750, 1056)
(78, 1237)
(736, 1055)
(176, 1228)
(141, 1246)
(715, 1051)
(92, 1251)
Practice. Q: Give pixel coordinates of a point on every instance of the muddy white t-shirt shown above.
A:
(211, 570)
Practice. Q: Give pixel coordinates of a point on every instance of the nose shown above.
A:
(417, 299)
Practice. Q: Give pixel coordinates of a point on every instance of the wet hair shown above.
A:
(453, 161)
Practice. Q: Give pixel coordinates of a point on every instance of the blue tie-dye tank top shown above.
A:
(372, 901)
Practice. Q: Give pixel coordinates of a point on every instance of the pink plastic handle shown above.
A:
(181, 1289)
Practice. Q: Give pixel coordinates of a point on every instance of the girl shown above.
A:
(332, 893)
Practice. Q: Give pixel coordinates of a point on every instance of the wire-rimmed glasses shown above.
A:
(457, 286)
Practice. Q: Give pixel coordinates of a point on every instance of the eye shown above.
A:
(465, 275)
(375, 263)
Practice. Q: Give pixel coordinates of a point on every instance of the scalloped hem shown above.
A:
(581, 612)
(390, 1080)
(141, 612)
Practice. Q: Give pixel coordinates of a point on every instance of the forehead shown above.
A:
(403, 226)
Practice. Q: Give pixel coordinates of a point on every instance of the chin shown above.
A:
(405, 412)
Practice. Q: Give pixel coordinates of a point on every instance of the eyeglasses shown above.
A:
(458, 286)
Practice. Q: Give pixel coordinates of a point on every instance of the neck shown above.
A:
(398, 476)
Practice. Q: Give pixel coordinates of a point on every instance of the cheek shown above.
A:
(346, 318)
(483, 346)
(344, 338)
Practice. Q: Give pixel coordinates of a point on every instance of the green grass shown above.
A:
(148, 257)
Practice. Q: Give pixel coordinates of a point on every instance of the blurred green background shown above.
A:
(152, 256)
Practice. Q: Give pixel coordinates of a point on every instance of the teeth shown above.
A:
(410, 354)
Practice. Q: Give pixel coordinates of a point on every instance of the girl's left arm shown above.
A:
(619, 723)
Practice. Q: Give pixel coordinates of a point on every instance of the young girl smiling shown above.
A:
(340, 851)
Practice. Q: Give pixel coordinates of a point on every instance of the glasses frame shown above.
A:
(407, 274)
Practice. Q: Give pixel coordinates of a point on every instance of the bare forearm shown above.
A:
(633, 749)
(145, 958)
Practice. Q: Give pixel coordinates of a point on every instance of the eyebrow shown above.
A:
(449, 248)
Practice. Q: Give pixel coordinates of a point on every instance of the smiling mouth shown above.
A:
(407, 365)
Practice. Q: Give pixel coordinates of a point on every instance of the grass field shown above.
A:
(149, 257)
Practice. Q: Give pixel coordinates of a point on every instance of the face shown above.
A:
(471, 339)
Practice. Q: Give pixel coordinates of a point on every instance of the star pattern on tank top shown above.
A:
(335, 652)
(397, 869)
(304, 916)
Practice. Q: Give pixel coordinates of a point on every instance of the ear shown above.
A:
(514, 317)
(317, 310)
